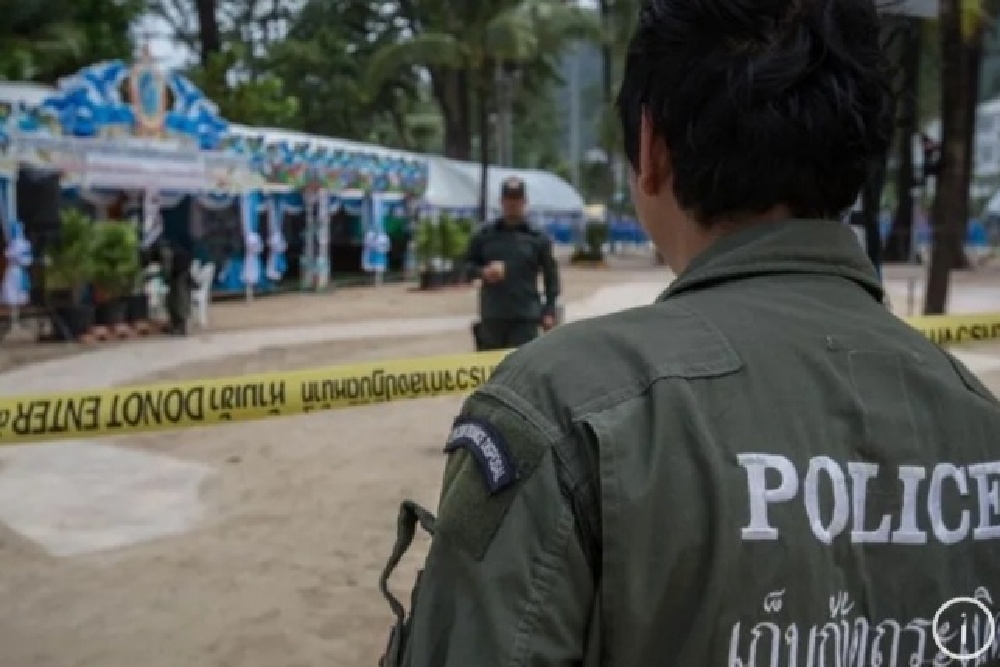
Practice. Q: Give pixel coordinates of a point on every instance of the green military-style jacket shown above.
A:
(765, 467)
(526, 252)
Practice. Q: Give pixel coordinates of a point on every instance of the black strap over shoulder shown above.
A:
(410, 513)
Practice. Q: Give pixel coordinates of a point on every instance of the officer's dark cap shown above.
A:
(512, 188)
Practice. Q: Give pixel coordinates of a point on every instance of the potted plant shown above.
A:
(592, 253)
(426, 246)
(69, 270)
(116, 269)
(460, 248)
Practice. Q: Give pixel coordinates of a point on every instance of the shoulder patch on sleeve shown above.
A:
(488, 449)
(492, 452)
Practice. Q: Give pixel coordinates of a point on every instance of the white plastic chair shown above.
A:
(155, 289)
(201, 294)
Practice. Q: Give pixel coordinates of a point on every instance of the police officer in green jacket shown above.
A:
(765, 466)
(507, 255)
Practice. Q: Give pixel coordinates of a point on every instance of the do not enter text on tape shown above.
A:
(177, 405)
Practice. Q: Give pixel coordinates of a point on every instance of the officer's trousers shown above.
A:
(497, 334)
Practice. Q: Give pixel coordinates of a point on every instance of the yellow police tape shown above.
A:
(175, 405)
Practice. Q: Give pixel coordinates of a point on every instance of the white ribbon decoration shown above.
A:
(251, 258)
(18, 255)
(17, 249)
(252, 243)
(322, 272)
(276, 243)
(152, 223)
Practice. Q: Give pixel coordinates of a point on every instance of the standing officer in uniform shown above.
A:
(508, 255)
(763, 467)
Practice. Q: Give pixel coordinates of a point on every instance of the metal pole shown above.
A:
(501, 124)
(509, 82)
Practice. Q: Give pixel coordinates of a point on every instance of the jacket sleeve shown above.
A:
(507, 580)
(474, 259)
(550, 276)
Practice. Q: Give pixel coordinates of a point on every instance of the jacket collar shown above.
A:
(516, 225)
(821, 247)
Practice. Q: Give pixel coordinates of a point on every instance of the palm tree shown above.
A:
(962, 23)
(513, 32)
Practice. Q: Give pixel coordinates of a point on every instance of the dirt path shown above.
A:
(351, 304)
(283, 572)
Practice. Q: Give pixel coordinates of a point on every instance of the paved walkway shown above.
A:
(122, 364)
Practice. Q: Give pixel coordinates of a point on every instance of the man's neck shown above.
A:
(696, 239)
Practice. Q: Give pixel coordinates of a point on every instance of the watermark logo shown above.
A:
(964, 629)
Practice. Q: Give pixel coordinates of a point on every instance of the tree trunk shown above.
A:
(484, 142)
(209, 35)
(451, 91)
(951, 200)
(606, 54)
(899, 247)
(972, 57)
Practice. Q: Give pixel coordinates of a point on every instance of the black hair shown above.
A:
(761, 103)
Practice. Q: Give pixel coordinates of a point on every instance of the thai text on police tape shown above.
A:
(179, 405)
(188, 404)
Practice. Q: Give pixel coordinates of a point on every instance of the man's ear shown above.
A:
(654, 159)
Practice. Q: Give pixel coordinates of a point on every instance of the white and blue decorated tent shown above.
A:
(328, 174)
(113, 127)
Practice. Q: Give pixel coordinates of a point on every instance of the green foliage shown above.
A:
(115, 258)
(597, 182)
(427, 243)
(323, 61)
(404, 73)
(595, 236)
(258, 101)
(42, 40)
(71, 263)
(454, 237)
(471, 40)
(446, 238)
(537, 124)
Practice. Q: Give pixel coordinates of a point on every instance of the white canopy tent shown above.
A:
(449, 187)
(548, 194)
(271, 134)
(452, 184)
(28, 94)
(993, 206)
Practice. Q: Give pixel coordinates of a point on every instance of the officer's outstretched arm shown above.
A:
(507, 581)
(474, 259)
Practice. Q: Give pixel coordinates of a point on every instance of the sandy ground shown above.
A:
(300, 517)
(283, 572)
